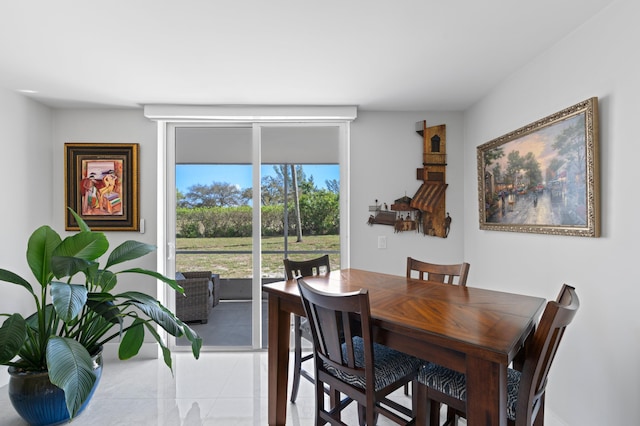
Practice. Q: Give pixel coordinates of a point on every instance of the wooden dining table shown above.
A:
(472, 330)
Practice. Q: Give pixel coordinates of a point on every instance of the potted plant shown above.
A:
(77, 312)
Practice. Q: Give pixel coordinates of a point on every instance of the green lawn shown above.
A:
(232, 265)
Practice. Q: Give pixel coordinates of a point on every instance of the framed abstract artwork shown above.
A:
(101, 185)
(544, 177)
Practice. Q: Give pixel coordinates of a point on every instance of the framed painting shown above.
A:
(544, 177)
(101, 185)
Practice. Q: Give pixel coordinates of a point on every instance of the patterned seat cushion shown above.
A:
(454, 384)
(390, 365)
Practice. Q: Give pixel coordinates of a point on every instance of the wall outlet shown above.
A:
(382, 242)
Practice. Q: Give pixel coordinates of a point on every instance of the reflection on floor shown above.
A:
(221, 388)
(229, 325)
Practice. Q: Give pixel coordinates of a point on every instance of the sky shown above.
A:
(539, 142)
(205, 174)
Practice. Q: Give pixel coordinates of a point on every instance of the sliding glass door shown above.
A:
(246, 196)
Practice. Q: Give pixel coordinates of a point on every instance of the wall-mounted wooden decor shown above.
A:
(401, 215)
(430, 198)
(425, 212)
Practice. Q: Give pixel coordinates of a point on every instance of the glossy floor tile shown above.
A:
(222, 388)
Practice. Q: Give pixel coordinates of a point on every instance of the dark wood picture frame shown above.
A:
(101, 185)
(544, 177)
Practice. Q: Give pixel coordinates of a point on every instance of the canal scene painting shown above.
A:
(543, 178)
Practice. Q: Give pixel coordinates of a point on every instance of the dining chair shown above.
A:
(450, 274)
(294, 269)
(525, 389)
(349, 362)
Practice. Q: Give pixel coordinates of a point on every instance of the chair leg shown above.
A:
(297, 361)
(434, 412)
(415, 402)
(420, 404)
(452, 417)
(539, 420)
(362, 415)
(367, 416)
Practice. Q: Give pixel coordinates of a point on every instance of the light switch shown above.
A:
(382, 242)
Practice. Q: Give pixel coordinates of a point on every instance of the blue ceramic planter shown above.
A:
(38, 401)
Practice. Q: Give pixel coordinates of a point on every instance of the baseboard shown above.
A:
(551, 419)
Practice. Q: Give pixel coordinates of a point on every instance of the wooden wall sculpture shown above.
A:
(425, 212)
(430, 198)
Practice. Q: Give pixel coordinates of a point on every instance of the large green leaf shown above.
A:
(105, 280)
(166, 353)
(13, 333)
(154, 310)
(71, 369)
(68, 299)
(102, 304)
(81, 223)
(83, 245)
(10, 277)
(40, 247)
(47, 312)
(192, 336)
(132, 340)
(128, 250)
(172, 283)
(65, 266)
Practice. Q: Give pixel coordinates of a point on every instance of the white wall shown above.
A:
(110, 126)
(114, 126)
(386, 151)
(26, 191)
(594, 378)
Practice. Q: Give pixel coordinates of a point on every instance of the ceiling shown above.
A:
(392, 55)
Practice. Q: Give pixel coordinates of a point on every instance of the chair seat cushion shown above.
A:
(454, 384)
(390, 365)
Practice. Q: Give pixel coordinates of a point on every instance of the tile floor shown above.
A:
(221, 388)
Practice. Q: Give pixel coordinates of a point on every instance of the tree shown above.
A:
(180, 199)
(570, 144)
(320, 212)
(497, 173)
(514, 164)
(333, 185)
(492, 156)
(532, 169)
(272, 187)
(296, 202)
(554, 166)
(218, 194)
(246, 196)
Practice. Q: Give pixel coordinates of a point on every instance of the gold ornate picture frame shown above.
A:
(544, 177)
(101, 185)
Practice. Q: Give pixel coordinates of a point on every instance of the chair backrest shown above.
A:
(335, 319)
(540, 353)
(307, 268)
(440, 273)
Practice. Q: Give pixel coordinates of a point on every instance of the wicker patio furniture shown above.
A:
(198, 298)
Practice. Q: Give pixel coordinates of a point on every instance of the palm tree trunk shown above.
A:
(296, 200)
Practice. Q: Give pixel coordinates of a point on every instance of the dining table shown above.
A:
(476, 331)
